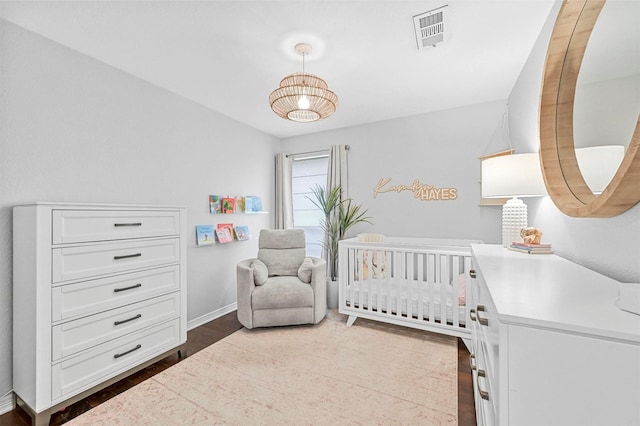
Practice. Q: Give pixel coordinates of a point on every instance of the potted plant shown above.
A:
(339, 217)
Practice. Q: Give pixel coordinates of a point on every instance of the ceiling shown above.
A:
(230, 55)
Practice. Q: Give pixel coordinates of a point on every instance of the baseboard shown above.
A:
(7, 403)
(197, 322)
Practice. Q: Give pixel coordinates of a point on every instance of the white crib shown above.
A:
(414, 282)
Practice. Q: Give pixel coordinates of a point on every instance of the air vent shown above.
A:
(431, 27)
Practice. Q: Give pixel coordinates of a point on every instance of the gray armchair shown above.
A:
(281, 286)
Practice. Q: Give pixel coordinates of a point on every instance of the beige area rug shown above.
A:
(327, 374)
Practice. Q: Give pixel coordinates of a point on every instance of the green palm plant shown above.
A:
(339, 217)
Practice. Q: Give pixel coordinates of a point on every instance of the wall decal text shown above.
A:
(421, 191)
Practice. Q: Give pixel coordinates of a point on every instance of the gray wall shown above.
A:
(77, 130)
(609, 246)
(440, 149)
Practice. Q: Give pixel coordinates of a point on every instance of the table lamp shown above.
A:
(517, 175)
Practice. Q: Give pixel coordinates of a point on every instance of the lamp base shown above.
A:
(514, 218)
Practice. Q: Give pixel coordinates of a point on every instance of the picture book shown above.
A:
(228, 205)
(224, 235)
(204, 235)
(225, 225)
(240, 204)
(252, 204)
(242, 233)
(214, 204)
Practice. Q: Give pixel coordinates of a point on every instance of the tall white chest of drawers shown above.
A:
(99, 291)
(549, 346)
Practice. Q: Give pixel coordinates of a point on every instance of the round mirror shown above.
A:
(589, 111)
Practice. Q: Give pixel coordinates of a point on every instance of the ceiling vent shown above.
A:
(431, 27)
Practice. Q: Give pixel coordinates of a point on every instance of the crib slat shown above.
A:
(410, 284)
(421, 284)
(432, 281)
(455, 266)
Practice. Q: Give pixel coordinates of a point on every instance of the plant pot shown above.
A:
(332, 294)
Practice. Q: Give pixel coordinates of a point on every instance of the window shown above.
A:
(306, 174)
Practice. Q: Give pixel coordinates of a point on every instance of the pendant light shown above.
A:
(303, 97)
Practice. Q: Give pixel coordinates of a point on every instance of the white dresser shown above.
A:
(99, 291)
(549, 346)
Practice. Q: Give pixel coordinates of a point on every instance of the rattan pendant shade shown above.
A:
(303, 97)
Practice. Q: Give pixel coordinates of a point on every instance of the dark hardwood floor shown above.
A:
(203, 336)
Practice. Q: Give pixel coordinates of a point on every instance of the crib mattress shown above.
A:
(398, 300)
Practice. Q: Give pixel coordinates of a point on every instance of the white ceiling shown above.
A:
(230, 55)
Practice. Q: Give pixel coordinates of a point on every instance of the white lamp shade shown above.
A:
(517, 175)
(598, 165)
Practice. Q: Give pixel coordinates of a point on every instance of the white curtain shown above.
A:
(284, 192)
(337, 174)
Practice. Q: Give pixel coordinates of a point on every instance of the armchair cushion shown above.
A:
(282, 250)
(304, 271)
(282, 292)
(260, 272)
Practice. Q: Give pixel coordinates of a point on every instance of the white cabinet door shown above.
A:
(577, 380)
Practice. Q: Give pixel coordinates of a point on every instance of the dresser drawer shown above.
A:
(74, 226)
(96, 365)
(90, 297)
(77, 335)
(69, 263)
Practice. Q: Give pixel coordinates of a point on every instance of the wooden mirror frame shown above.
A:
(562, 176)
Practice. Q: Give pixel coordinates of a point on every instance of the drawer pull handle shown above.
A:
(472, 362)
(482, 321)
(472, 273)
(131, 287)
(472, 314)
(128, 224)
(483, 394)
(127, 320)
(127, 256)
(138, 346)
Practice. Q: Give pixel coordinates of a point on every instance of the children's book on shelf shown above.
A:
(240, 204)
(224, 235)
(228, 205)
(242, 233)
(204, 235)
(214, 204)
(226, 225)
(252, 204)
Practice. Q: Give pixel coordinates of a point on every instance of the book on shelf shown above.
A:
(224, 235)
(240, 204)
(229, 226)
(214, 204)
(531, 250)
(228, 205)
(204, 235)
(252, 204)
(242, 233)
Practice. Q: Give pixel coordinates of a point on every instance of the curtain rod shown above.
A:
(322, 151)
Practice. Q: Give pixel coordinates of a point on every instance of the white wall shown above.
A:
(609, 246)
(439, 149)
(77, 130)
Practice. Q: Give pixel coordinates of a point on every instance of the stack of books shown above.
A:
(531, 248)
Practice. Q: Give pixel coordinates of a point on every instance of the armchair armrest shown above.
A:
(319, 285)
(245, 286)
